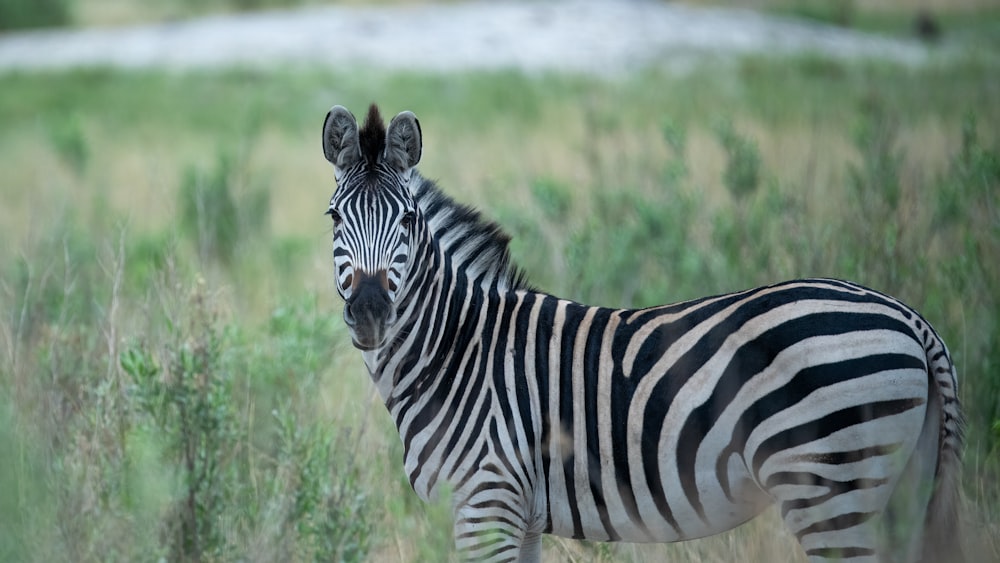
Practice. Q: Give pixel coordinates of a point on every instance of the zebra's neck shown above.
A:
(438, 307)
(460, 265)
(460, 254)
(408, 344)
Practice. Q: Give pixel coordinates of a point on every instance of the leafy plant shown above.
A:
(21, 14)
(742, 173)
(210, 214)
(70, 142)
(294, 493)
(190, 401)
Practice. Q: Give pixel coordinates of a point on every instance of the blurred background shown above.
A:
(176, 382)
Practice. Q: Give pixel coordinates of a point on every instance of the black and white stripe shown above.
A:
(833, 401)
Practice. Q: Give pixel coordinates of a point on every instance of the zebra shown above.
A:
(540, 415)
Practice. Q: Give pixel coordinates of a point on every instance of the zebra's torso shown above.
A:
(666, 423)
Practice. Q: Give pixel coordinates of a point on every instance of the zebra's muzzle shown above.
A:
(368, 313)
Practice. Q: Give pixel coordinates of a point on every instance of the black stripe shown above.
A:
(471, 398)
(451, 293)
(501, 329)
(840, 552)
(543, 339)
(851, 456)
(431, 296)
(492, 486)
(430, 405)
(493, 555)
(824, 426)
(840, 522)
(491, 519)
(525, 414)
(834, 488)
(642, 316)
(591, 369)
(622, 390)
(573, 318)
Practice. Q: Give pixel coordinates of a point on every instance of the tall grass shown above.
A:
(175, 379)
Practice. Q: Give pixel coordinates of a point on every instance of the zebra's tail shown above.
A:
(941, 538)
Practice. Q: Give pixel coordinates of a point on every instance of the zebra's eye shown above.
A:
(407, 221)
(333, 215)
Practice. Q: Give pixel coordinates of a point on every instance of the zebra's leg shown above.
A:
(837, 503)
(531, 548)
(846, 537)
(488, 532)
(834, 493)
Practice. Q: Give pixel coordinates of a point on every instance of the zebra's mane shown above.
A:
(476, 245)
(371, 137)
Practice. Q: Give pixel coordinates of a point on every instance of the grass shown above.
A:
(25, 14)
(127, 298)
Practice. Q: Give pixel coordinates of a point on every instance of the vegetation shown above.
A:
(24, 14)
(20, 14)
(175, 379)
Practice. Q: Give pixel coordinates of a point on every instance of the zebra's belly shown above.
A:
(633, 514)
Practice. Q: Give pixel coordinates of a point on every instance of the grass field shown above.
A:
(175, 380)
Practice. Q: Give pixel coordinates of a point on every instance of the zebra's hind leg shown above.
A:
(845, 537)
(905, 518)
(841, 512)
(838, 503)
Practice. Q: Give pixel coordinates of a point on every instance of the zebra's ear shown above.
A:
(403, 142)
(340, 139)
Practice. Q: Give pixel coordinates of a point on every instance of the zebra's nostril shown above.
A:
(349, 316)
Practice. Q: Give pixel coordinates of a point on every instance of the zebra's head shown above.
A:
(373, 214)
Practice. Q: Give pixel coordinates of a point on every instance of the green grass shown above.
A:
(167, 255)
(21, 14)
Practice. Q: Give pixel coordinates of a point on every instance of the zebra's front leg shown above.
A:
(490, 531)
(531, 548)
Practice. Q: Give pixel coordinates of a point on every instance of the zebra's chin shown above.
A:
(366, 341)
(368, 333)
(365, 346)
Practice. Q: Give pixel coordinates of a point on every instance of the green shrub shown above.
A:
(221, 210)
(967, 221)
(190, 401)
(742, 173)
(153, 453)
(57, 280)
(21, 14)
(284, 491)
(327, 506)
(70, 142)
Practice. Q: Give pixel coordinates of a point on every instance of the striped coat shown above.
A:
(541, 415)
